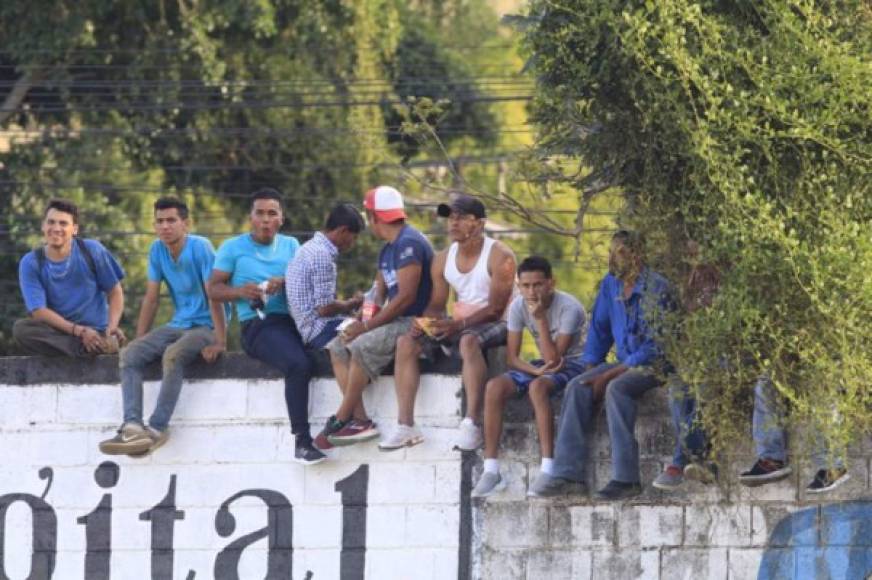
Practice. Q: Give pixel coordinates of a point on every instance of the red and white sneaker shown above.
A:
(355, 431)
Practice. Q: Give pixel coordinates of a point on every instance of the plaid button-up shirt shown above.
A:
(310, 283)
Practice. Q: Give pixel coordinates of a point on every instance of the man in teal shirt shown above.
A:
(250, 271)
(184, 262)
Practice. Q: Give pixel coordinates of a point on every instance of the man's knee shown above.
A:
(22, 328)
(578, 392)
(469, 346)
(498, 389)
(540, 390)
(408, 347)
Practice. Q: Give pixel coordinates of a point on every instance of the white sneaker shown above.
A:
(401, 436)
(488, 484)
(468, 436)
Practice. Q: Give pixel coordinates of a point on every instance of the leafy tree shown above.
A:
(743, 126)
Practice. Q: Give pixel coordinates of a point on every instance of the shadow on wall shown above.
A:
(832, 542)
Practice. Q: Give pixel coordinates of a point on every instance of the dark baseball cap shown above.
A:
(462, 204)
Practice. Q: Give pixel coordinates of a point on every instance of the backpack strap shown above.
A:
(83, 248)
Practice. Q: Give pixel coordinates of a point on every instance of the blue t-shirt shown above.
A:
(69, 287)
(247, 261)
(410, 247)
(185, 279)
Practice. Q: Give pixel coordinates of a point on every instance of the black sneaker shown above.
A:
(307, 454)
(827, 479)
(765, 471)
(617, 490)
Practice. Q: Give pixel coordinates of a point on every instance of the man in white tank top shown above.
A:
(481, 271)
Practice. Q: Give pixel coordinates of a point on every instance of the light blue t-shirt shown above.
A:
(69, 287)
(247, 261)
(185, 279)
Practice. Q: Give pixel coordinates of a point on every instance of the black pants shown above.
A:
(276, 341)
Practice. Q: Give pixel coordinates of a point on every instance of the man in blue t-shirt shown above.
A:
(250, 271)
(366, 347)
(72, 290)
(184, 262)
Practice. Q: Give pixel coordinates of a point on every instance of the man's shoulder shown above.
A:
(233, 243)
(569, 299)
(198, 241)
(411, 235)
(28, 261)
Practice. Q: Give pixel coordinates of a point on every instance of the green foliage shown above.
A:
(744, 126)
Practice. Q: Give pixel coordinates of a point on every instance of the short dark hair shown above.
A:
(345, 214)
(633, 240)
(63, 205)
(170, 203)
(266, 193)
(535, 264)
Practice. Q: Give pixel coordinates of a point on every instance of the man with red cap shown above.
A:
(365, 348)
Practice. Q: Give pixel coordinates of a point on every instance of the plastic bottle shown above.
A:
(371, 303)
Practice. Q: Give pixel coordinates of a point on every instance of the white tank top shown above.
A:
(472, 288)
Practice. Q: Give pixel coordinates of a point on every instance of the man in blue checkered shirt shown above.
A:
(310, 282)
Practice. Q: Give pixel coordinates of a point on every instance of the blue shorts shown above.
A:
(327, 334)
(570, 370)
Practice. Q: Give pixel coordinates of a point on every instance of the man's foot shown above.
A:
(401, 436)
(352, 432)
(618, 490)
(468, 436)
(158, 438)
(488, 484)
(765, 471)
(670, 479)
(546, 485)
(827, 480)
(307, 454)
(705, 472)
(330, 427)
(131, 439)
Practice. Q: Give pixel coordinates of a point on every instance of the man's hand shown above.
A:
(92, 340)
(211, 353)
(354, 302)
(249, 291)
(445, 327)
(598, 386)
(352, 331)
(275, 284)
(549, 368)
(537, 309)
(118, 334)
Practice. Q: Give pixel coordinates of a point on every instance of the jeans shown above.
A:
(570, 453)
(276, 341)
(38, 338)
(176, 347)
(690, 442)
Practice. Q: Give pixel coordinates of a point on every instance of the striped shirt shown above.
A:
(310, 283)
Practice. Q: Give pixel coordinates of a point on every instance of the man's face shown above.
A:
(169, 226)
(462, 226)
(535, 287)
(345, 239)
(266, 218)
(58, 228)
(622, 261)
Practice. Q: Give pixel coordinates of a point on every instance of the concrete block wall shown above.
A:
(719, 532)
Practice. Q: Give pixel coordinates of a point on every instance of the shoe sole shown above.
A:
(465, 449)
(838, 483)
(124, 448)
(758, 480)
(698, 473)
(351, 440)
(666, 486)
(501, 486)
(151, 449)
(408, 443)
(308, 462)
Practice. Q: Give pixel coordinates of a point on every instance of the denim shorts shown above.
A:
(571, 369)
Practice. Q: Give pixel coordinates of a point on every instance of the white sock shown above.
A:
(547, 465)
(492, 465)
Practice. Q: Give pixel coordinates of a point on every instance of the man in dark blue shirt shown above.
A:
(627, 314)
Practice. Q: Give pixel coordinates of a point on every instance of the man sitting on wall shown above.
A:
(366, 347)
(184, 262)
(556, 320)
(481, 271)
(72, 290)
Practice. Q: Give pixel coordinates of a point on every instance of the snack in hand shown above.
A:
(425, 324)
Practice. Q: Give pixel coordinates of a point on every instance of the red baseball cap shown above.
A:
(386, 202)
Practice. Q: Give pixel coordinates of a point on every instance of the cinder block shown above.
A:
(582, 565)
(847, 524)
(265, 399)
(623, 564)
(516, 475)
(400, 564)
(432, 526)
(31, 406)
(776, 525)
(593, 526)
(656, 437)
(385, 526)
(650, 526)
(321, 479)
(67, 565)
(210, 485)
(129, 533)
(39, 448)
(244, 443)
(514, 525)
(551, 564)
(559, 525)
(318, 526)
(321, 563)
(186, 445)
(200, 562)
(211, 401)
(447, 483)
(683, 563)
(520, 441)
(438, 445)
(718, 525)
(395, 483)
(87, 405)
(445, 564)
(744, 564)
(503, 564)
(780, 491)
(127, 564)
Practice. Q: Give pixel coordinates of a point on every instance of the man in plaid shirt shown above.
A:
(310, 282)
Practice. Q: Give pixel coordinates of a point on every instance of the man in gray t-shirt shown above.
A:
(557, 322)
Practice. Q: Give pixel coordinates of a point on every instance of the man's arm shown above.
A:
(219, 289)
(211, 352)
(91, 339)
(148, 309)
(115, 297)
(408, 279)
(441, 289)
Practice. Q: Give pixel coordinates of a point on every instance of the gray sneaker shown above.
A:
(131, 439)
(546, 485)
(488, 484)
(670, 478)
(157, 439)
